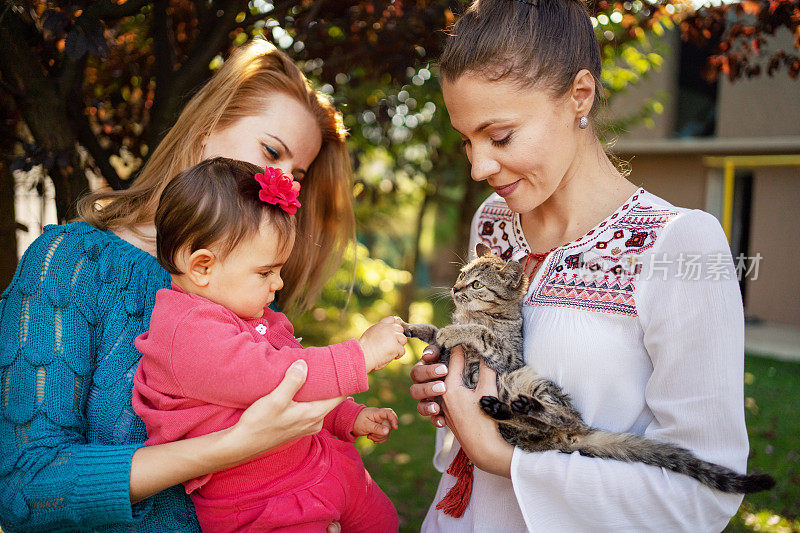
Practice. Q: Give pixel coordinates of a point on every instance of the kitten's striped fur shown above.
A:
(533, 413)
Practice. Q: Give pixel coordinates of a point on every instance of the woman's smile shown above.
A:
(507, 189)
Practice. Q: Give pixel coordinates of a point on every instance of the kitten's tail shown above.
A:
(635, 448)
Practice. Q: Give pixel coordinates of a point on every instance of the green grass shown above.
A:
(402, 466)
(772, 411)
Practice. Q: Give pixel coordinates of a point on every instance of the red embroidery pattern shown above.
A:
(596, 272)
(495, 229)
(600, 274)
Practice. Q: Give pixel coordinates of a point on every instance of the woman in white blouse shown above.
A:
(634, 308)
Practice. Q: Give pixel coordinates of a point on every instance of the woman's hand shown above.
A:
(270, 422)
(428, 386)
(475, 431)
(277, 419)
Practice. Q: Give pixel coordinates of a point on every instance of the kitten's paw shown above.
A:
(446, 343)
(408, 329)
(470, 376)
(495, 408)
(526, 405)
(469, 383)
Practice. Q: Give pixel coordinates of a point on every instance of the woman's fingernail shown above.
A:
(299, 366)
(427, 351)
(432, 409)
(438, 387)
(440, 370)
(438, 423)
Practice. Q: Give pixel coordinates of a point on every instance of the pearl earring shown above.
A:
(584, 123)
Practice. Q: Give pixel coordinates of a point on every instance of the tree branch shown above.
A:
(8, 134)
(195, 68)
(109, 11)
(17, 65)
(71, 74)
(206, 18)
(164, 50)
(87, 138)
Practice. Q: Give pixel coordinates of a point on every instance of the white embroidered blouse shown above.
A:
(640, 321)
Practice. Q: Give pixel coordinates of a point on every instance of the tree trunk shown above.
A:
(8, 222)
(408, 291)
(70, 184)
(48, 120)
(44, 110)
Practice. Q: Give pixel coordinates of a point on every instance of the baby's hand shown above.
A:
(383, 342)
(375, 423)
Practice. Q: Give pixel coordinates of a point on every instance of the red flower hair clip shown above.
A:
(278, 189)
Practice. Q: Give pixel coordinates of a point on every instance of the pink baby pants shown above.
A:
(309, 501)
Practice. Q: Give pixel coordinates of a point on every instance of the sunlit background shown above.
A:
(703, 108)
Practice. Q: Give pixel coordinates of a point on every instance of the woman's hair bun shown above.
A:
(544, 43)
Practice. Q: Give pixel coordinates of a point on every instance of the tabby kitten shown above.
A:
(533, 413)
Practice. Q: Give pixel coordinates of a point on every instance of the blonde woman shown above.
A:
(72, 445)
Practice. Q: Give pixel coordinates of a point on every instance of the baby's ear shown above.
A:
(198, 266)
(513, 273)
(481, 250)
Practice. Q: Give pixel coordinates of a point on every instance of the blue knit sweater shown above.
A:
(67, 431)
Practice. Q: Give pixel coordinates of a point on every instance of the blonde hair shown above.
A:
(239, 89)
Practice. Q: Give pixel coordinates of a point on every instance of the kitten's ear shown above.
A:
(481, 250)
(513, 272)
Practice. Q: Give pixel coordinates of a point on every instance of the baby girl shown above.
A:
(224, 230)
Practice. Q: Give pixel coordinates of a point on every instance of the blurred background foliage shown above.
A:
(88, 87)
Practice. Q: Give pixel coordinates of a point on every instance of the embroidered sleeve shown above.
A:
(693, 333)
(493, 226)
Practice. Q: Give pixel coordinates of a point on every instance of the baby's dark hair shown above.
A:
(215, 202)
(542, 43)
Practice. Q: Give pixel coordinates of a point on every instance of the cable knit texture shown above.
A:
(68, 320)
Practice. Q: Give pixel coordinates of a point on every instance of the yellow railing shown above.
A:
(730, 163)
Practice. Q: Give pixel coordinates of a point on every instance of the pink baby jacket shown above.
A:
(202, 366)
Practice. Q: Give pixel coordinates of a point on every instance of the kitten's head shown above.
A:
(489, 284)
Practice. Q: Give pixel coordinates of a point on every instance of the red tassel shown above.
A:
(456, 500)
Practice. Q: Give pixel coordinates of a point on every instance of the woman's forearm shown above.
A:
(156, 468)
(494, 459)
(270, 422)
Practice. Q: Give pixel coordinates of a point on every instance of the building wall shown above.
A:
(30, 209)
(775, 295)
(679, 180)
(758, 107)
